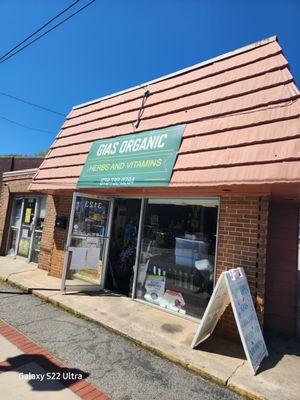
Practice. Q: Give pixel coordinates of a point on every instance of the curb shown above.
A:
(205, 375)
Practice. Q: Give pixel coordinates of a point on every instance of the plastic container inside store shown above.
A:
(188, 251)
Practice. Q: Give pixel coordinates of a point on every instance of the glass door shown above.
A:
(38, 229)
(88, 239)
(122, 252)
(14, 228)
(27, 227)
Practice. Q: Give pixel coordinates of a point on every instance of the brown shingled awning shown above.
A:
(241, 112)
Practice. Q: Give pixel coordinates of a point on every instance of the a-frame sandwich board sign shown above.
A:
(232, 287)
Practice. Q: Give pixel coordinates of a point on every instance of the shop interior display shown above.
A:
(123, 246)
(176, 269)
(177, 255)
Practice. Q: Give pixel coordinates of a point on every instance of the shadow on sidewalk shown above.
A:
(99, 293)
(218, 345)
(10, 292)
(279, 346)
(26, 364)
(29, 290)
(26, 292)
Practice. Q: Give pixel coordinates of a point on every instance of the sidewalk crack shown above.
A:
(19, 272)
(234, 371)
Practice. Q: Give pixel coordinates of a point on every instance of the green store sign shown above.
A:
(138, 160)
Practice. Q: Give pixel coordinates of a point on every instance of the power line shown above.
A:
(32, 104)
(25, 126)
(11, 53)
(38, 30)
(3, 58)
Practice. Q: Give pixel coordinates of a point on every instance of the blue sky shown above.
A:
(116, 44)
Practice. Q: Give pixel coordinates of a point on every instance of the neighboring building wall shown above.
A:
(242, 242)
(4, 205)
(282, 259)
(11, 186)
(54, 239)
(18, 163)
(6, 165)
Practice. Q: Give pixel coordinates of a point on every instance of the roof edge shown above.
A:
(19, 172)
(182, 71)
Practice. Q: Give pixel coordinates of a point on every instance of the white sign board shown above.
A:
(84, 257)
(232, 286)
(24, 233)
(78, 260)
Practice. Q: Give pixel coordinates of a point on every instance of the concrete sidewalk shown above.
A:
(27, 371)
(170, 336)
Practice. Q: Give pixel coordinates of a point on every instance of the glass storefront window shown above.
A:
(176, 269)
(36, 246)
(14, 226)
(41, 214)
(16, 213)
(90, 216)
(12, 240)
(29, 209)
(26, 226)
(37, 237)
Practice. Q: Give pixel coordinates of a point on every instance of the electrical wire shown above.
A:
(26, 126)
(32, 104)
(38, 30)
(12, 52)
(2, 60)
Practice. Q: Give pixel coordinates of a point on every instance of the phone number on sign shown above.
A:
(116, 181)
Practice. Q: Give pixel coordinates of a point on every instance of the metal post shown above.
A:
(33, 225)
(138, 247)
(66, 259)
(13, 201)
(106, 248)
(20, 228)
(217, 241)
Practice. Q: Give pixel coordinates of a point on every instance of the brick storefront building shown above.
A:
(16, 183)
(232, 199)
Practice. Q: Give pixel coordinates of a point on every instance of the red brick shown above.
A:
(242, 242)
(85, 390)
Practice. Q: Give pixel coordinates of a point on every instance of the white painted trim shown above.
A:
(182, 71)
(20, 172)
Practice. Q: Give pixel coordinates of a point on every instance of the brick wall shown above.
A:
(47, 235)
(4, 205)
(54, 239)
(242, 242)
(5, 165)
(18, 163)
(282, 267)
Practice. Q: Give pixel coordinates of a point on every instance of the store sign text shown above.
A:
(144, 159)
